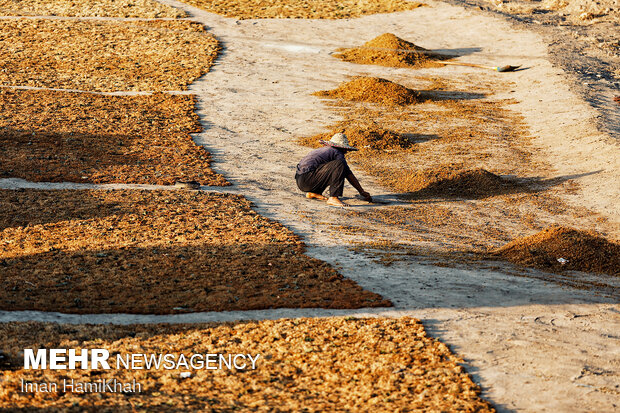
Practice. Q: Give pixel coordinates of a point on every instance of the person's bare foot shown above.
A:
(335, 201)
(312, 195)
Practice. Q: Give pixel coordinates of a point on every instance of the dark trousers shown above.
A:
(330, 174)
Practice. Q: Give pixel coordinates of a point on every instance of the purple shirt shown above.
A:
(320, 156)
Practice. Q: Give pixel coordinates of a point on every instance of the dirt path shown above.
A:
(532, 345)
(583, 40)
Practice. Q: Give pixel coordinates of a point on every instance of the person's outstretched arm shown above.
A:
(356, 184)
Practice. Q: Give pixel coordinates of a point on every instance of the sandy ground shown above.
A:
(532, 346)
(582, 38)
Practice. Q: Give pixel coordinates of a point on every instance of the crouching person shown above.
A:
(327, 167)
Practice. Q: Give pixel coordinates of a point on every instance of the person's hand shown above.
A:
(366, 196)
